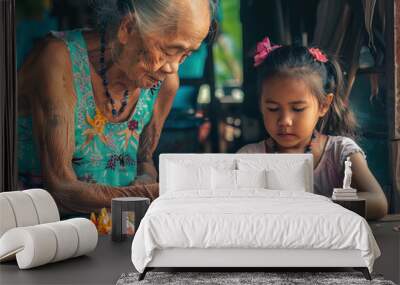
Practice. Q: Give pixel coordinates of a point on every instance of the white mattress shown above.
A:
(258, 219)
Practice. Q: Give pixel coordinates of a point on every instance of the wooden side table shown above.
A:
(356, 205)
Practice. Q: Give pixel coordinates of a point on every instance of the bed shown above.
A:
(247, 210)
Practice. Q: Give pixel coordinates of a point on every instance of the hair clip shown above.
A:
(318, 55)
(264, 48)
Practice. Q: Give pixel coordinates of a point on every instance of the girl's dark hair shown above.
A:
(322, 78)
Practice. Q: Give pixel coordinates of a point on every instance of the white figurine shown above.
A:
(347, 174)
(347, 192)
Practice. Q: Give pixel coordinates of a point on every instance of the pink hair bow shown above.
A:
(318, 55)
(264, 48)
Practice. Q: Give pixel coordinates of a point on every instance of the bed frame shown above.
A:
(246, 259)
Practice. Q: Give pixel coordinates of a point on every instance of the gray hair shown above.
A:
(150, 15)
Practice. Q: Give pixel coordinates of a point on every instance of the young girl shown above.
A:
(301, 102)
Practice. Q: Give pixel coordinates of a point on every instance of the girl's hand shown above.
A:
(368, 188)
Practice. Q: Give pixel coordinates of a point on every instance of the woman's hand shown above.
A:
(152, 190)
(144, 179)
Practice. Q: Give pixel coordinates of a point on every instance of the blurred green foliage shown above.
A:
(228, 45)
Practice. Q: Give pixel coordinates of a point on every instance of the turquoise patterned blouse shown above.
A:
(105, 152)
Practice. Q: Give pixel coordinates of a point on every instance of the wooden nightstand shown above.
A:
(356, 205)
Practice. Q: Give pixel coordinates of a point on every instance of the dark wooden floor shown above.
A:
(102, 266)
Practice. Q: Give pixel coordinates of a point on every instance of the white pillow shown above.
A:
(293, 180)
(223, 179)
(182, 177)
(282, 173)
(251, 178)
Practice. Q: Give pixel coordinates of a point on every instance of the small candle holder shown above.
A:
(127, 212)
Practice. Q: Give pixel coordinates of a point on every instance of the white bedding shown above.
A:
(252, 218)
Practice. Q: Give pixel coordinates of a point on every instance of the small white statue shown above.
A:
(347, 174)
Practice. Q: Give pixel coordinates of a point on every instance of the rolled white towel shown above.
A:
(26, 208)
(40, 244)
(23, 208)
(45, 205)
(33, 246)
(66, 238)
(7, 218)
(87, 235)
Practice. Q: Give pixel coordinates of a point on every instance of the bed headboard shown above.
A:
(283, 162)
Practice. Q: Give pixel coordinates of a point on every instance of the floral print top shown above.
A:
(105, 152)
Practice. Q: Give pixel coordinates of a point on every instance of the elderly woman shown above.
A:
(92, 103)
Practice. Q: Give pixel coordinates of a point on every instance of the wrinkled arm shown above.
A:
(150, 136)
(53, 123)
(368, 188)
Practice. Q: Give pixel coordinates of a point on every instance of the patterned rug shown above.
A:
(243, 278)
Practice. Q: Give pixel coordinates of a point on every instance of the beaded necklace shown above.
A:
(103, 74)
